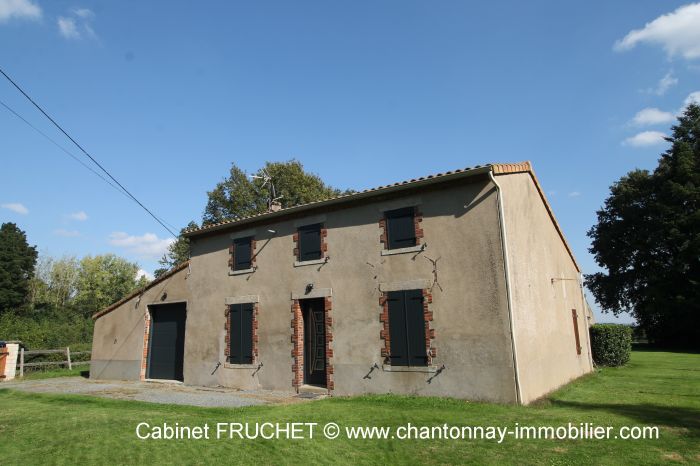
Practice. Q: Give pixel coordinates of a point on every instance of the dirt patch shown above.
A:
(155, 392)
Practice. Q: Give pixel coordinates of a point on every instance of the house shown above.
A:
(459, 284)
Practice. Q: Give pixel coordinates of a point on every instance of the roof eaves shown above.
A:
(367, 193)
(150, 285)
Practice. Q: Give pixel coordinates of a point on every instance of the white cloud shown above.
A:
(693, 98)
(677, 32)
(24, 9)
(67, 28)
(574, 194)
(644, 139)
(147, 245)
(77, 25)
(143, 273)
(15, 207)
(652, 116)
(665, 83)
(84, 13)
(80, 216)
(66, 233)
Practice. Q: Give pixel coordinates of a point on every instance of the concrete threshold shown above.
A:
(316, 389)
(165, 381)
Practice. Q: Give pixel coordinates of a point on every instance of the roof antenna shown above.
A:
(273, 202)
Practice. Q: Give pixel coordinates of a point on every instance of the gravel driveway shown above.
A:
(155, 392)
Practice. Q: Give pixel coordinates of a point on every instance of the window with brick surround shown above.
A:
(242, 254)
(400, 228)
(310, 242)
(407, 328)
(240, 333)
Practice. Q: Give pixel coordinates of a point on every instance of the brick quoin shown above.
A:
(385, 335)
(324, 242)
(430, 349)
(328, 306)
(227, 340)
(297, 345)
(384, 332)
(417, 220)
(256, 311)
(146, 337)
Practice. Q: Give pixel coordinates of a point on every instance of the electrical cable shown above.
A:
(38, 107)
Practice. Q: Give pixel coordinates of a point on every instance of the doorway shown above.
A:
(166, 343)
(314, 316)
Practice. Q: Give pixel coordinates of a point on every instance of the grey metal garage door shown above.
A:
(167, 341)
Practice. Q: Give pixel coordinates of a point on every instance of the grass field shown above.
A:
(53, 373)
(656, 388)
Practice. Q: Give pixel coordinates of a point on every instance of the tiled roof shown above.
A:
(150, 285)
(429, 179)
(496, 168)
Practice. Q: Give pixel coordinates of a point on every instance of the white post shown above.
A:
(70, 365)
(21, 362)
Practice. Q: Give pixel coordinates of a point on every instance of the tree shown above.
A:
(103, 280)
(178, 252)
(17, 261)
(54, 284)
(648, 240)
(239, 196)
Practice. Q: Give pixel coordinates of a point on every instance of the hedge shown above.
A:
(49, 330)
(611, 344)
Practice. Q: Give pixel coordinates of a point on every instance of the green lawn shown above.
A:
(656, 388)
(53, 373)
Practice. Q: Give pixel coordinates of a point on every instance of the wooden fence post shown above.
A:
(70, 365)
(21, 362)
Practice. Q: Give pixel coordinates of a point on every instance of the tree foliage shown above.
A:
(648, 240)
(17, 261)
(239, 196)
(103, 280)
(55, 282)
(178, 252)
(61, 296)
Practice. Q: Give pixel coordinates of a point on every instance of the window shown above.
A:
(242, 253)
(241, 333)
(310, 243)
(578, 339)
(407, 328)
(400, 228)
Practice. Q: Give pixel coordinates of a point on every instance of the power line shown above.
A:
(69, 153)
(87, 154)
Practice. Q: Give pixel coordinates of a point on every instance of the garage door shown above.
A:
(167, 341)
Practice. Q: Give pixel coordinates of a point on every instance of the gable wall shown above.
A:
(543, 324)
(118, 336)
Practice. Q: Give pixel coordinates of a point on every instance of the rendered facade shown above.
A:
(458, 284)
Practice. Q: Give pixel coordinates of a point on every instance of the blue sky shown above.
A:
(167, 94)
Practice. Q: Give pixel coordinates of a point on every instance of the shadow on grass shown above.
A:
(670, 416)
(648, 348)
